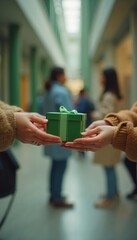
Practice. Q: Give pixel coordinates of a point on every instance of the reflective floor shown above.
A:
(31, 217)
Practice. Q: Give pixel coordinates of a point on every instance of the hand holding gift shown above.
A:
(97, 135)
(68, 125)
(30, 128)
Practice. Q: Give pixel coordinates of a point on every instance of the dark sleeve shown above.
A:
(85, 106)
(91, 106)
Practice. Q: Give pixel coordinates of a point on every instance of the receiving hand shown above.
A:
(30, 128)
(93, 139)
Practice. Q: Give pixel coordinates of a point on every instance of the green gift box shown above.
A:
(65, 124)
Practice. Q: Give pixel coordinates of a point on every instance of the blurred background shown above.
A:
(83, 36)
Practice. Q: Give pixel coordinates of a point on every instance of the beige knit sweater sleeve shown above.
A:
(7, 125)
(125, 136)
(125, 139)
(125, 115)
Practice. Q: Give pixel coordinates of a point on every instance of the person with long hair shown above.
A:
(56, 94)
(108, 156)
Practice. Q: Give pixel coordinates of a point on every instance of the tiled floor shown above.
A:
(31, 217)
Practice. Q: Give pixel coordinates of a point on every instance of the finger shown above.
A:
(69, 144)
(51, 137)
(51, 140)
(38, 125)
(92, 149)
(79, 145)
(41, 135)
(91, 126)
(92, 132)
(30, 141)
(38, 115)
(50, 143)
(35, 143)
(47, 141)
(39, 142)
(38, 119)
(86, 140)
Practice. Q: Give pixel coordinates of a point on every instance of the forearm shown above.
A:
(125, 139)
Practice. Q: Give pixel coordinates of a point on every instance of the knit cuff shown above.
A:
(16, 109)
(120, 136)
(6, 107)
(12, 121)
(8, 126)
(112, 119)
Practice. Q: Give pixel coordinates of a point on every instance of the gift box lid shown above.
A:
(70, 116)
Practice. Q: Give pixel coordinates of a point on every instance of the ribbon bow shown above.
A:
(64, 110)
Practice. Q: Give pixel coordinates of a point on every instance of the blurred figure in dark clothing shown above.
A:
(132, 169)
(85, 105)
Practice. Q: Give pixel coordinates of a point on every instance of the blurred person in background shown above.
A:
(131, 167)
(107, 156)
(23, 126)
(85, 105)
(56, 94)
(119, 130)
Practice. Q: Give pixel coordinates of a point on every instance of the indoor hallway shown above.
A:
(32, 218)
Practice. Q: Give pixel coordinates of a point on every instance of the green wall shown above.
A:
(14, 64)
(87, 15)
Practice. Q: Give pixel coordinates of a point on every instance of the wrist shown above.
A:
(114, 130)
(15, 120)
